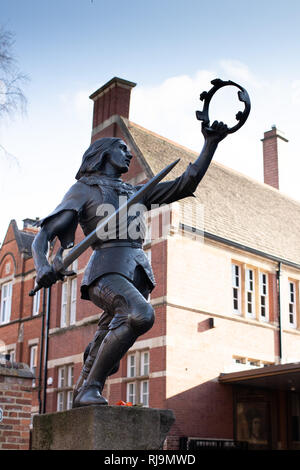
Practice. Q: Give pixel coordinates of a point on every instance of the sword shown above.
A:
(60, 264)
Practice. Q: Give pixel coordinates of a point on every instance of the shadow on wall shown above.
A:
(204, 411)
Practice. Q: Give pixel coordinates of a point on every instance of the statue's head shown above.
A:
(110, 151)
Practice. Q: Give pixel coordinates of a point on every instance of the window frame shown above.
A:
(36, 302)
(264, 295)
(236, 286)
(131, 396)
(68, 304)
(250, 290)
(5, 312)
(142, 394)
(138, 372)
(65, 384)
(293, 324)
(33, 360)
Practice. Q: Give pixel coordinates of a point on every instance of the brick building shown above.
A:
(224, 350)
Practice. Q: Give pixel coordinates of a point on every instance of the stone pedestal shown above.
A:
(102, 428)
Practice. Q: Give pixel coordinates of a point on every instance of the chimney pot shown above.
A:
(271, 155)
(111, 99)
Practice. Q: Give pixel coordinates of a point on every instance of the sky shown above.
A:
(172, 49)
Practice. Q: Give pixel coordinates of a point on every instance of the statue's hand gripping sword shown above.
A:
(61, 264)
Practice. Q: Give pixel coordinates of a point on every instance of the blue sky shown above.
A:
(171, 49)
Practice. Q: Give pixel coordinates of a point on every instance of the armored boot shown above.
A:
(115, 344)
(90, 354)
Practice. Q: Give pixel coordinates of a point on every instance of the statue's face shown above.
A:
(119, 157)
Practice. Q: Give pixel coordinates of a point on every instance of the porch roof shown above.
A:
(274, 377)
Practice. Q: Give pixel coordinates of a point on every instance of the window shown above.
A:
(145, 393)
(5, 309)
(145, 363)
(250, 294)
(64, 303)
(65, 380)
(68, 302)
(292, 304)
(131, 395)
(263, 296)
(246, 363)
(12, 355)
(138, 365)
(253, 363)
(33, 361)
(36, 303)
(73, 301)
(236, 288)
(131, 365)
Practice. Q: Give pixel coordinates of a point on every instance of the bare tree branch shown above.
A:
(12, 98)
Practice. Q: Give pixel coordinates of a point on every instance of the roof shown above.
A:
(236, 207)
(24, 239)
(274, 377)
(26, 242)
(113, 81)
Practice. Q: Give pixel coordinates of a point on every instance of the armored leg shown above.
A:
(91, 351)
(132, 316)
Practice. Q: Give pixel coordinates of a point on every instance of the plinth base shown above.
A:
(102, 428)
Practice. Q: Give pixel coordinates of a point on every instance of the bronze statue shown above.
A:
(118, 277)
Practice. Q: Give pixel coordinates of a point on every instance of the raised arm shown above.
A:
(186, 184)
(212, 137)
(62, 225)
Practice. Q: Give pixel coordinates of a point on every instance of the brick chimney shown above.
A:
(271, 156)
(110, 100)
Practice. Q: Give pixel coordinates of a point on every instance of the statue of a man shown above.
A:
(118, 277)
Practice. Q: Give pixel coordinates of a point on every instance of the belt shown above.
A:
(117, 244)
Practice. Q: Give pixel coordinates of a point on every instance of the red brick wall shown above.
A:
(15, 402)
(271, 156)
(270, 153)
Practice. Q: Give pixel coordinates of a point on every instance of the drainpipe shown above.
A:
(41, 350)
(278, 273)
(46, 350)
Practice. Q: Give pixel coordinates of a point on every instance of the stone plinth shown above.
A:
(102, 428)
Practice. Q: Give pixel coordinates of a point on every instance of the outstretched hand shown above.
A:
(216, 132)
(46, 276)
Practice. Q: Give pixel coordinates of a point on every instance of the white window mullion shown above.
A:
(145, 363)
(73, 301)
(61, 377)
(292, 304)
(5, 309)
(60, 401)
(131, 365)
(264, 296)
(131, 393)
(236, 288)
(36, 303)
(64, 303)
(33, 361)
(145, 392)
(250, 293)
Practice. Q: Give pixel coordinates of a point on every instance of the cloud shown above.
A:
(237, 71)
(169, 109)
